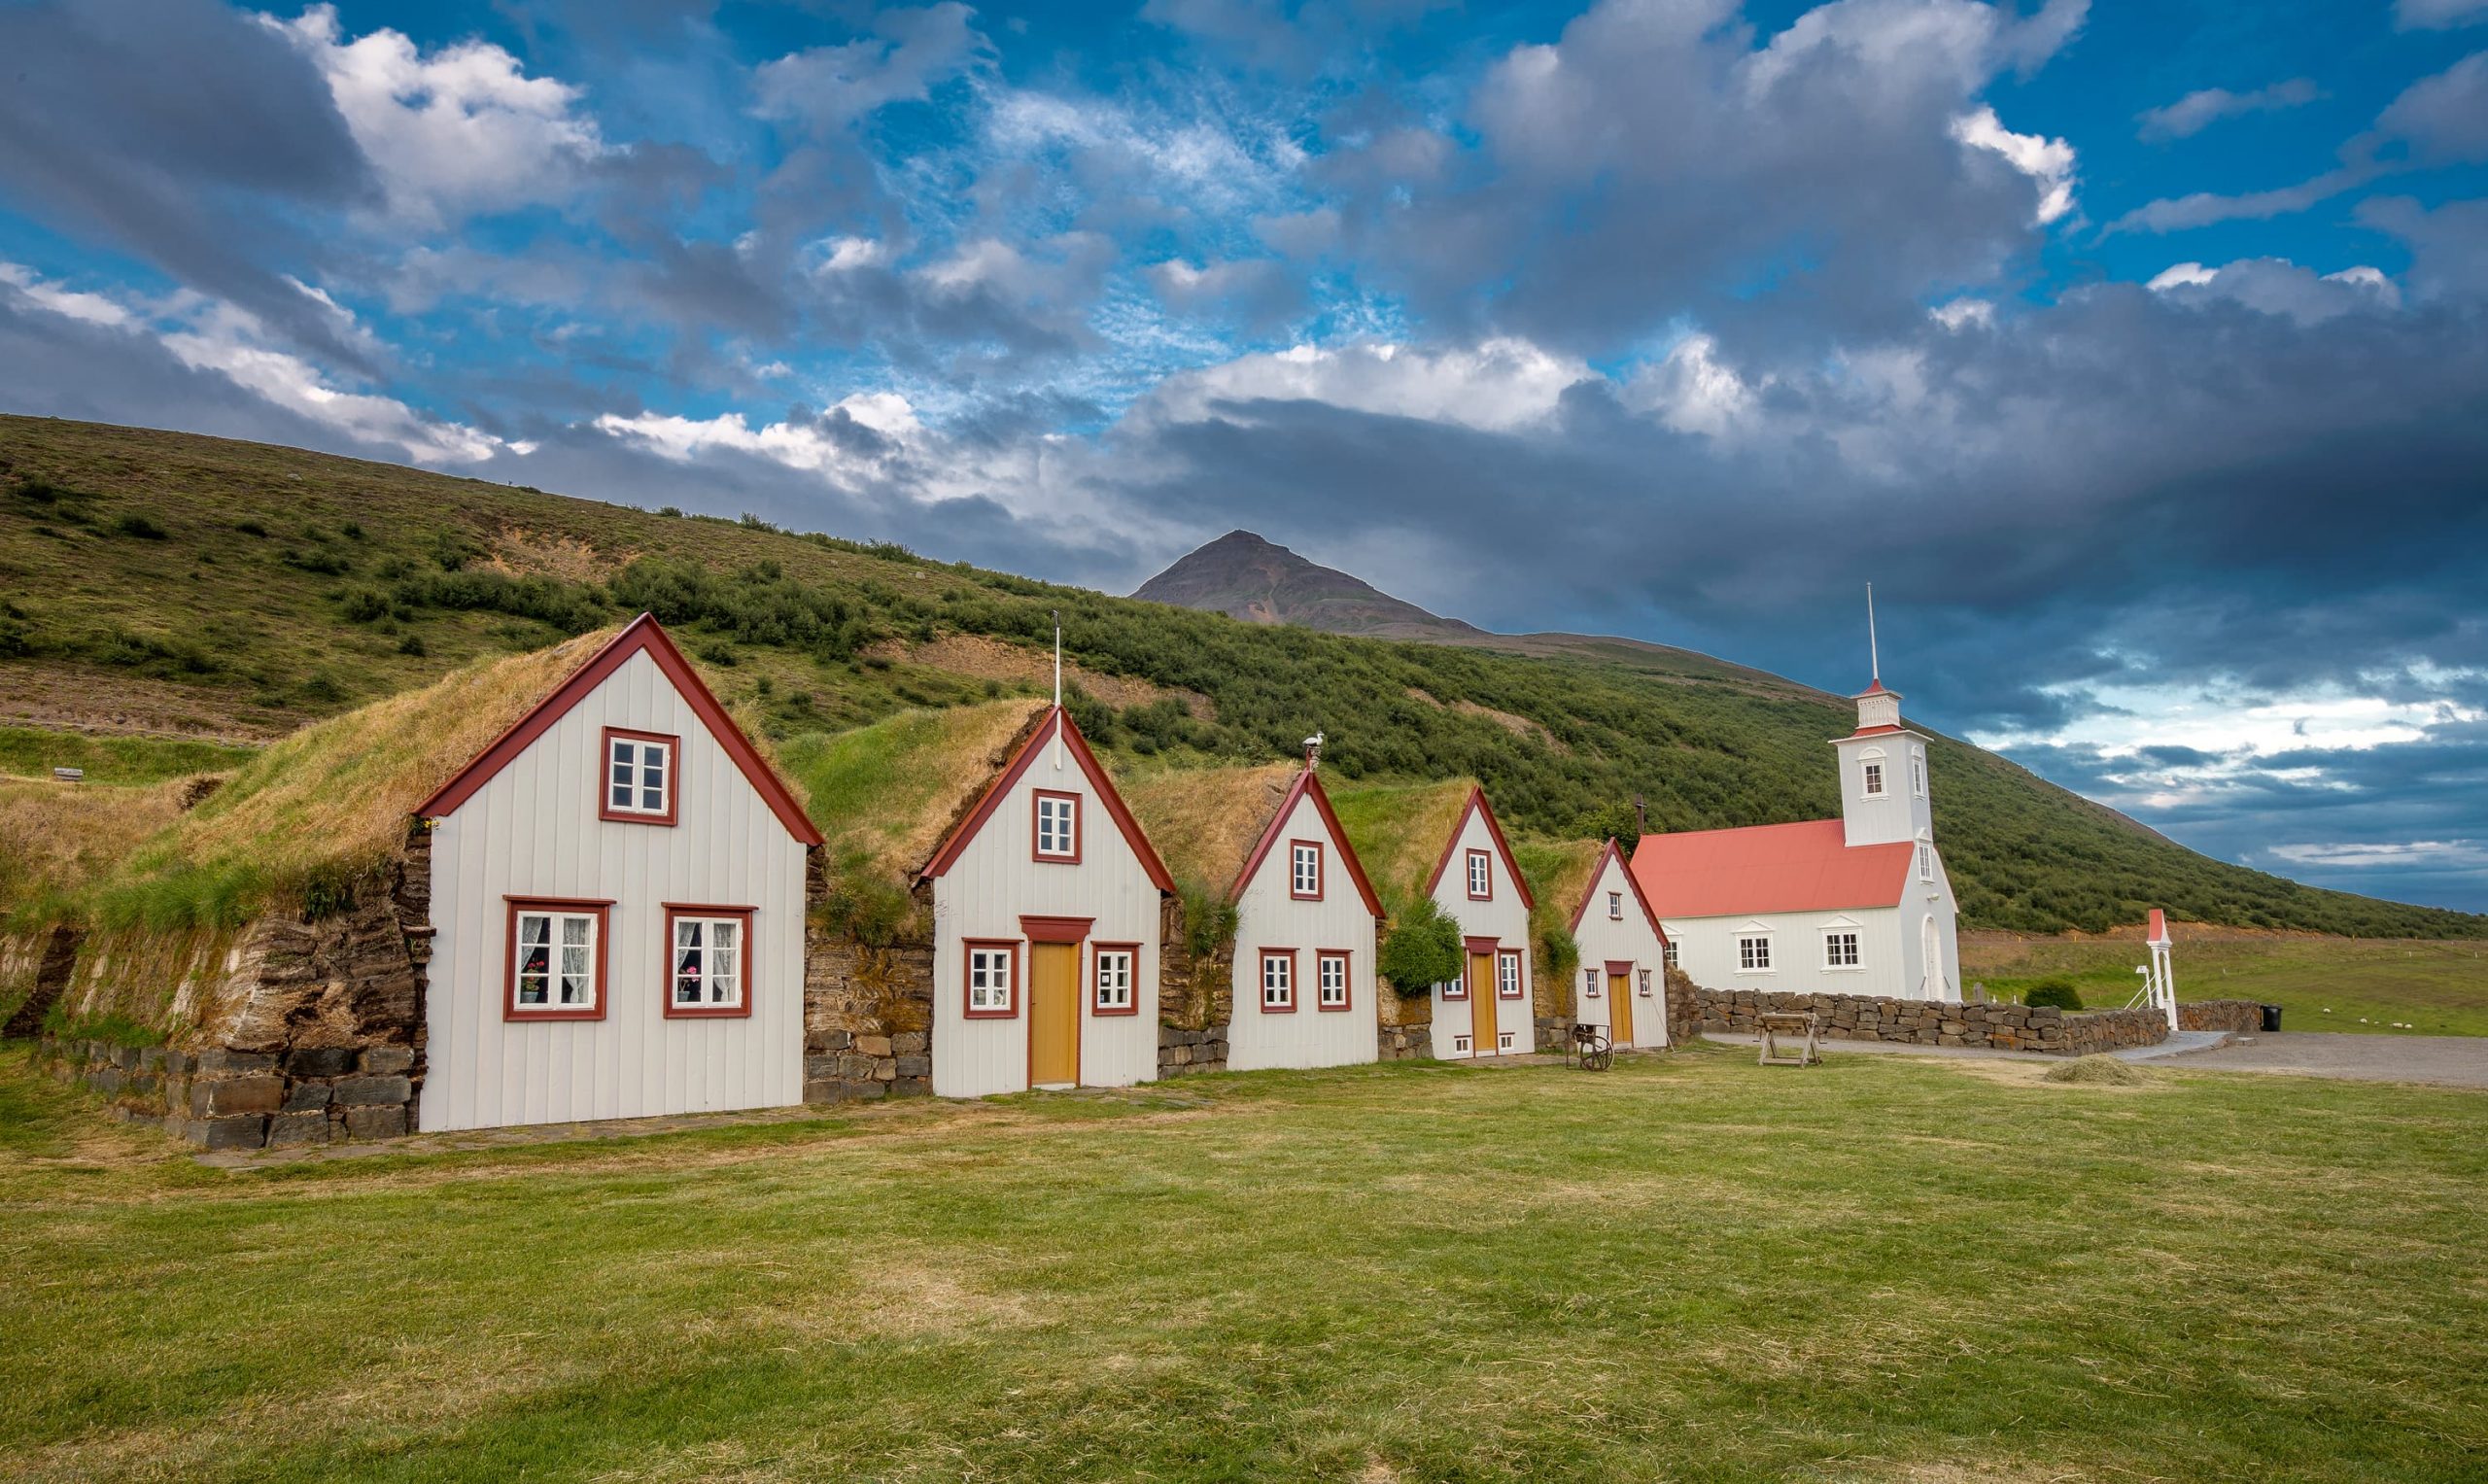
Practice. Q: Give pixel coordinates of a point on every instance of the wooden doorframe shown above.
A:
(1620, 1030)
(1482, 994)
(1079, 1017)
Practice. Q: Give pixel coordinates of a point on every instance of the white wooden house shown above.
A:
(1623, 972)
(1487, 1010)
(1860, 905)
(617, 909)
(1305, 923)
(1047, 914)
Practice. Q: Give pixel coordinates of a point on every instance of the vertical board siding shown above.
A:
(533, 831)
(1506, 920)
(1888, 944)
(992, 884)
(1603, 939)
(1267, 916)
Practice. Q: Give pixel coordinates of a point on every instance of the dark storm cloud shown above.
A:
(181, 132)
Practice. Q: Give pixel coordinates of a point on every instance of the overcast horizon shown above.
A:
(2137, 354)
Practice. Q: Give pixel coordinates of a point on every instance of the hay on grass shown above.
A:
(2101, 1070)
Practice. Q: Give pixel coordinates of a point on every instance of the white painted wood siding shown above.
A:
(1506, 919)
(533, 831)
(1267, 916)
(984, 894)
(1603, 939)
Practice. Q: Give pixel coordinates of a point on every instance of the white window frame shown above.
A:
(709, 951)
(1305, 869)
(1113, 990)
(1856, 950)
(1508, 984)
(1925, 861)
(1589, 983)
(1870, 775)
(1668, 953)
(998, 965)
(1322, 964)
(1481, 875)
(1066, 830)
(1644, 982)
(1283, 982)
(1917, 773)
(1615, 907)
(557, 976)
(629, 756)
(1754, 954)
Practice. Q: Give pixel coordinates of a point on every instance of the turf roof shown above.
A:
(1205, 821)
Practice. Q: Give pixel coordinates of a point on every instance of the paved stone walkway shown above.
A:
(2454, 1061)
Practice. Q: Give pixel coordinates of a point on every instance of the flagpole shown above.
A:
(1058, 690)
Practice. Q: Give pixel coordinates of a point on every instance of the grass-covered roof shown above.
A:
(1399, 831)
(1205, 821)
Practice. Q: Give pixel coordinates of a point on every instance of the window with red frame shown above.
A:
(1278, 981)
(1507, 976)
(1481, 875)
(1305, 875)
(1057, 826)
(1331, 992)
(1115, 981)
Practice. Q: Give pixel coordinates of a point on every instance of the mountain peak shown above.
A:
(1245, 575)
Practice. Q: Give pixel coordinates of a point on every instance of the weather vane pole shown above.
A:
(1058, 690)
(1874, 658)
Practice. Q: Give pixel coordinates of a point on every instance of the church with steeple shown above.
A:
(1857, 904)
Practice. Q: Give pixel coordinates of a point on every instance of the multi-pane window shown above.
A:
(1918, 774)
(1331, 992)
(1481, 875)
(1305, 869)
(1507, 976)
(639, 775)
(1667, 954)
(1646, 984)
(989, 978)
(1114, 980)
(708, 963)
(1753, 954)
(554, 962)
(1615, 906)
(1057, 826)
(1925, 861)
(1874, 780)
(1840, 951)
(1278, 982)
(1589, 983)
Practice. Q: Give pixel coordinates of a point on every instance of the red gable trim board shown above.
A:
(1307, 784)
(1477, 805)
(643, 635)
(1598, 873)
(1021, 761)
(1765, 868)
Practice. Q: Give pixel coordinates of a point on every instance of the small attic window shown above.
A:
(1917, 774)
(1057, 826)
(1481, 875)
(1305, 869)
(639, 777)
(1874, 771)
(1615, 907)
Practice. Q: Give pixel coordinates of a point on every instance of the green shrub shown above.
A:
(139, 527)
(1559, 954)
(2058, 992)
(250, 528)
(1422, 950)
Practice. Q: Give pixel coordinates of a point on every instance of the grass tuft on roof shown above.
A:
(885, 796)
(316, 815)
(1204, 821)
(1399, 831)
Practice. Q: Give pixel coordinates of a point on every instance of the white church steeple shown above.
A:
(1883, 764)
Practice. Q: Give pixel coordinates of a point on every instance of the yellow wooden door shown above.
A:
(1481, 1004)
(1053, 1014)
(1619, 999)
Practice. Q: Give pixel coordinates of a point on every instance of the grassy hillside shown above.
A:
(2373, 985)
(234, 591)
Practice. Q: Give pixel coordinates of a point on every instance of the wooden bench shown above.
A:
(1776, 1024)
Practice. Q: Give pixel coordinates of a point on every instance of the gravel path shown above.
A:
(2459, 1061)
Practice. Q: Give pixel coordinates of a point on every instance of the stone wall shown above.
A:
(305, 1032)
(1683, 1008)
(1554, 1032)
(1181, 1051)
(35, 968)
(1403, 1043)
(2220, 1014)
(868, 1010)
(1929, 1023)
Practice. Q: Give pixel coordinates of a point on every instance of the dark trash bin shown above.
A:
(2272, 1018)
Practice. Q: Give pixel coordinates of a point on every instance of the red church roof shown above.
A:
(1767, 868)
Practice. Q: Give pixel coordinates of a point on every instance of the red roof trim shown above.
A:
(1884, 730)
(1012, 771)
(1477, 804)
(2158, 930)
(1308, 782)
(1598, 873)
(643, 635)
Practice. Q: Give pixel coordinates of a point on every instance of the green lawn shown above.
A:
(2435, 988)
(1691, 1267)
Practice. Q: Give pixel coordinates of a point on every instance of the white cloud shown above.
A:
(210, 335)
(1693, 391)
(1499, 384)
(803, 445)
(458, 131)
(2440, 855)
(845, 255)
(2047, 161)
(2200, 109)
(2437, 15)
(2277, 286)
(1962, 313)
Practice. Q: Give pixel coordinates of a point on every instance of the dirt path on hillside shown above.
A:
(68, 699)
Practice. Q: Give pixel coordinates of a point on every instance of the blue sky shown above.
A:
(2134, 352)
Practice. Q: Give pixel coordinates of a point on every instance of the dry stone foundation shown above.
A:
(1928, 1022)
(2245, 1015)
(1403, 1043)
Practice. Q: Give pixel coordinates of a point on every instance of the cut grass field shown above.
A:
(1689, 1268)
(2362, 984)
